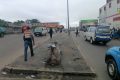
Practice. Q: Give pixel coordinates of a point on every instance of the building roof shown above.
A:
(60, 26)
(51, 24)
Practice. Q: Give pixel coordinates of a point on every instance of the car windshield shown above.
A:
(2, 29)
(92, 29)
(103, 30)
(38, 30)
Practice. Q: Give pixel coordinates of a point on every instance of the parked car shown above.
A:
(2, 32)
(44, 32)
(98, 34)
(39, 31)
(112, 59)
(115, 34)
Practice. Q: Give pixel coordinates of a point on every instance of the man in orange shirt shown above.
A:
(28, 41)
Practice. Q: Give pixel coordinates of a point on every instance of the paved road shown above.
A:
(95, 54)
(11, 47)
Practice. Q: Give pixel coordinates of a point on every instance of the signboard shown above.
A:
(89, 22)
(116, 18)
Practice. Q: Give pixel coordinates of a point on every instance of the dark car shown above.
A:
(116, 34)
(2, 32)
(39, 31)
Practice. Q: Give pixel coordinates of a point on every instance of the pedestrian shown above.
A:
(118, 31)
(77, 32)
(60, 30)
(113, 29)
(28, 41)
(51, 32)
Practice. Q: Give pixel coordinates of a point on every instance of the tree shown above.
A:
(33, 21)
(19, 22)
(3, 23)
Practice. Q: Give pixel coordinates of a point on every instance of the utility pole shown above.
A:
(68, 17)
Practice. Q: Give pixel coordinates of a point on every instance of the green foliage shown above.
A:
(3, 23)
(33, 21)
(19, 22)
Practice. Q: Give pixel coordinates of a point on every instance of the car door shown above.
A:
(118, 60)
(91, 33)
(88, 33)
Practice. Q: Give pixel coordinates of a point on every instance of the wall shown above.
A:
(109, 16)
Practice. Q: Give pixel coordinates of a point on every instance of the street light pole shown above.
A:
(68, 17)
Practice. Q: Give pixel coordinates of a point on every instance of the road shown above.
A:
(11, 47)
(95, 55)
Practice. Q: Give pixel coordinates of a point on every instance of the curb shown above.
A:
(3, 78)
(12, 70)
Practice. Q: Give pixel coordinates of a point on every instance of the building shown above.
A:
(88, 22)
(109, 14)
(51, 24)
(12, 28)
(47, 25)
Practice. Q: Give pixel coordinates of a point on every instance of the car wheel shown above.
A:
(91, 41)
(112, 69)
(104, 43)
(2, 35)
(85, 38)
(45, 34)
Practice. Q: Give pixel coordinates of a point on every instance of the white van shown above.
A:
(98, 34)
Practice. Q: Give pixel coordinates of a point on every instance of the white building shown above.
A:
(109, 14)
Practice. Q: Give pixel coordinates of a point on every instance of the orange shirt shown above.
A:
(27, 34)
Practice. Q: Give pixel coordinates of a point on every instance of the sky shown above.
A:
(50, 10)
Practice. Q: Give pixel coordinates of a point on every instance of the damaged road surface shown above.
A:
(72, 65)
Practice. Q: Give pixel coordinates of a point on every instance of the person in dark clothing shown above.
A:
(28, 41)
(118, 31)
(51, 32)
(77, 32)
(60, 30)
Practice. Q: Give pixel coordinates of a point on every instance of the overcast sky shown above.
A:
(50, 10)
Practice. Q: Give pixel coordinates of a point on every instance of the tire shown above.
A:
(91, 41)
(1, 35)
(112, 69)
(104, 43)
(85, 38)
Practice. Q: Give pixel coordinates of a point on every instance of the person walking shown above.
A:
(51, 32)
(77, 32)
(28, 41)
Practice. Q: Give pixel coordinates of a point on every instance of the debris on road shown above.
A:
(54, 57)
(4, 73)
